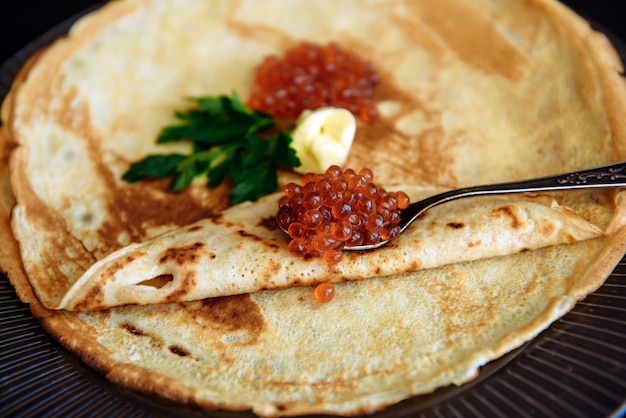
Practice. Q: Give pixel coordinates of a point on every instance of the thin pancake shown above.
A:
(203, 259)
(471, 92)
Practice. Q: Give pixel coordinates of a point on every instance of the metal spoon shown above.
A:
(612, 175)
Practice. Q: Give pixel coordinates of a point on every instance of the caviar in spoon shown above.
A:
(336, 210)
(611, 175)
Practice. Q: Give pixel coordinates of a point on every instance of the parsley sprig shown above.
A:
(229, 140)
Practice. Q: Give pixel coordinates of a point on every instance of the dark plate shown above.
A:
(576, 368)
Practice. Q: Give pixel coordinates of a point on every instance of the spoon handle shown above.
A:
(612, 175)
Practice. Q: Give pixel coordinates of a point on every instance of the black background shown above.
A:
(21, 21)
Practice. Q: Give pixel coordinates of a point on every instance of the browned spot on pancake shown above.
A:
(7, 145)
(182, 255)
(150, 203)
(509, 211)
(195, 228)
(548, 229)
(93, 297)
(232, 313)
(270, 271)
(421, 35)
(179, 351)
(472, 36)
(272, 286)
(117, 266)
(132, 329)
(268, 223)
(415, 265)
(472, 244)
(248, 235)
(428, 160)
(435, 223)
(87, 218)
(524, 250)
(424, 215)
(257, 31)
(187, 284)
(243, 233)
(134, 208)
(455, 225)
(112, 269)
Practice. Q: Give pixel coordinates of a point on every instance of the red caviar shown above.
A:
(324, 292)
(311, 76)
(338, 209)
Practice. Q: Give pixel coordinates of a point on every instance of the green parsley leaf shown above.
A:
(283, 153)
(156, 166)
(229, 140)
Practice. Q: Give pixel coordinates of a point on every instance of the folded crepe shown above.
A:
(471, 92)
(242, 251)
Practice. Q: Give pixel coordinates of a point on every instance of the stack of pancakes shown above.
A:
(471, 92)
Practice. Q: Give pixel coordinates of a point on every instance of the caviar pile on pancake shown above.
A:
(185, 295)
(310, 76)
